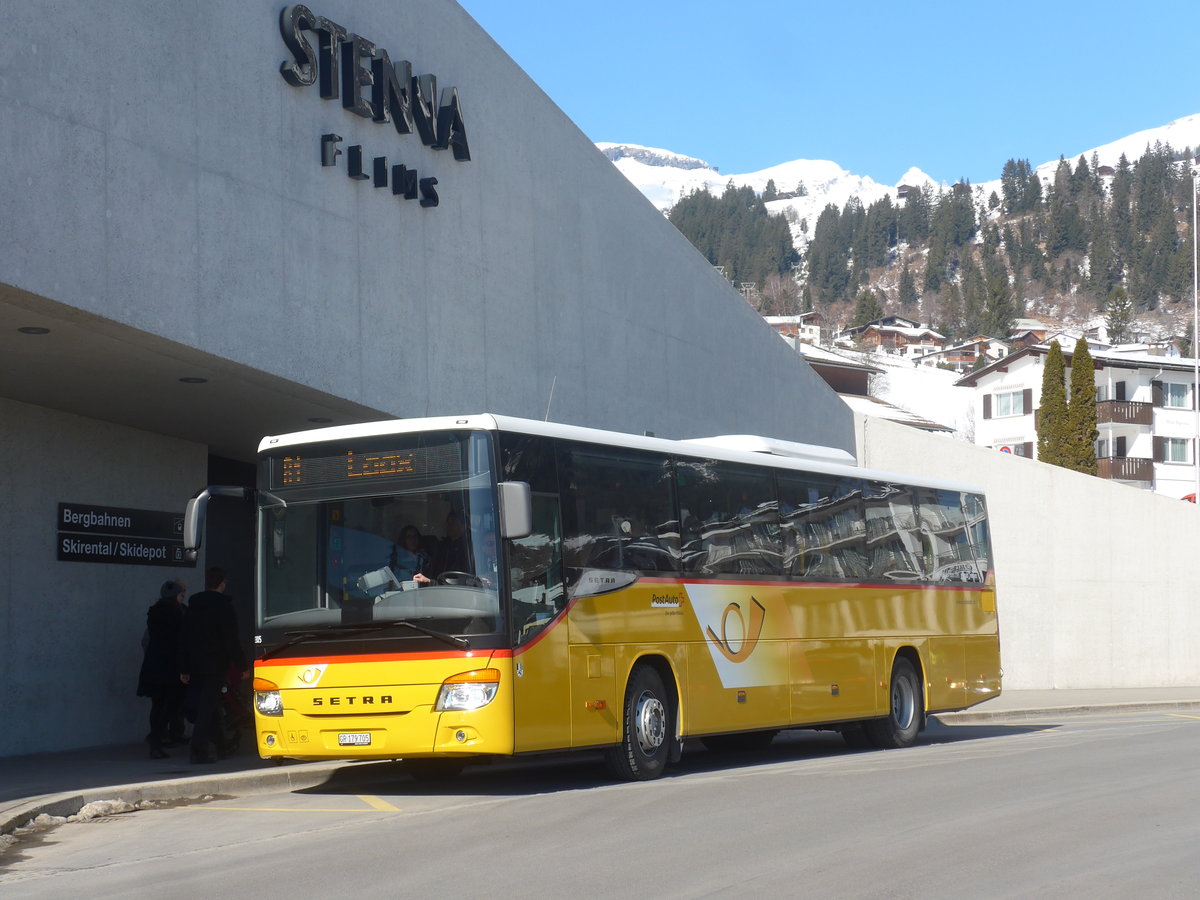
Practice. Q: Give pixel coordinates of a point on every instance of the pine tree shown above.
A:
(908, 288)
(1052, 415)
(770, 192)
(736, 231)
(951, 311)
(1000, 305)
(914, 217)
(828, 252)
(867, 308)
(1118, 316)
(1081, 412)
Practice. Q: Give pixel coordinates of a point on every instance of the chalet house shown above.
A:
(1028, 332)
(901, 340)
(1145, 411)
(964, 356)
(886, 320)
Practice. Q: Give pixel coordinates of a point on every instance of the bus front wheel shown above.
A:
(646, 728)
(906, 710)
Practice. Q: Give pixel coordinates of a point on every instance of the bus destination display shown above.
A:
(356, 465)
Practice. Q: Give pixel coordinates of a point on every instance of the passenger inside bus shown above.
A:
(409, 559)
(453, 553)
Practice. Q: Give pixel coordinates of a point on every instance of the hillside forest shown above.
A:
(1090, 241)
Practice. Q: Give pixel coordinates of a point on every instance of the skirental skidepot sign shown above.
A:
(112, 534)
(346, 66)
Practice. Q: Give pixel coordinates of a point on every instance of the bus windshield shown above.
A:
(371, 534)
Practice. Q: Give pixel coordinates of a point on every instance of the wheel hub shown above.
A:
(650, 720)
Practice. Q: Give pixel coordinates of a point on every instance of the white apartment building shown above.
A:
(805, 327)
(1145, 405)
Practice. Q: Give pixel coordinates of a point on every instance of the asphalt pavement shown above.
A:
(62, 783)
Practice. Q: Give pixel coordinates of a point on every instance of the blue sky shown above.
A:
(953, 88)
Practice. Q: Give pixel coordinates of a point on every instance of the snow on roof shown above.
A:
(881, 409)
(907, 332)
(821, 355)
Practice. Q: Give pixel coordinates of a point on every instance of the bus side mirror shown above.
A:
(193, 525)
(516, 509)
(197, 510)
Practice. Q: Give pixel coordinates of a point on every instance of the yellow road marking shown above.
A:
(282, 809)
(378, 803)
(1181, 716)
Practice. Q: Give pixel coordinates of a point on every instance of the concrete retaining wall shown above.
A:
(1097, 582)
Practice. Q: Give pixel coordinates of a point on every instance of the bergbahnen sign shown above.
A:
(109, 534)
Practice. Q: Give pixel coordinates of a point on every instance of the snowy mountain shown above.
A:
(664, 176)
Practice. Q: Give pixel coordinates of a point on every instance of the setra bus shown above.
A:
(442, 589)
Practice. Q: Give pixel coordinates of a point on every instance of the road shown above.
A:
(1098, 805)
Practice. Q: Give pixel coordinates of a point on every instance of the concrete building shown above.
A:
(219, 223)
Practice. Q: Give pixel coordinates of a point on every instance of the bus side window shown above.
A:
(821, 519)
(893, 551)
(618, 509)
(730, 519)
(946, 546)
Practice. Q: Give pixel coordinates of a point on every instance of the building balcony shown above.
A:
(1124, 412)
(1125, 468)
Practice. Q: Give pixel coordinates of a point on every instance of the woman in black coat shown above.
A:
(159, 678)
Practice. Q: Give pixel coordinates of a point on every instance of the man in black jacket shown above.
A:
(211, 654)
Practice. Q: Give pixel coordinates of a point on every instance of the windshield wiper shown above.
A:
(300, 637)
(450, 639)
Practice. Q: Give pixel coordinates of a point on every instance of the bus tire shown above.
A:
(646, 724)
(906, 709)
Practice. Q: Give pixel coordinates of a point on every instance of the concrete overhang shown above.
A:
(95, 367)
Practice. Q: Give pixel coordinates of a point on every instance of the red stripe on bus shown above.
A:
(383, 657)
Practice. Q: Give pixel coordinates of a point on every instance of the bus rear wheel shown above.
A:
(646, 725)
(906, 710)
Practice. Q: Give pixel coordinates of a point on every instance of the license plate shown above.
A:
(354, 739)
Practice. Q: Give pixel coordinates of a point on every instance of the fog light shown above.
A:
(460, 736)
(270, 741)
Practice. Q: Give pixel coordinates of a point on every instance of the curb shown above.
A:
(969, 717)
(294, 777)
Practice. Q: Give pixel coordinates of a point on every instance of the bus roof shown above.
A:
(748, 449)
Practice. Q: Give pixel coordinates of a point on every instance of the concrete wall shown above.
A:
(166, 176)
(1097, 582)
(70, 633)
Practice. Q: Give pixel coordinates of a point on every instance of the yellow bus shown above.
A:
(442, 589)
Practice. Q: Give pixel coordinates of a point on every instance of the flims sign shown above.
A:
(347, 66)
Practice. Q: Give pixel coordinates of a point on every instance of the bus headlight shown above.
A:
(268, 703)
(470, 690)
